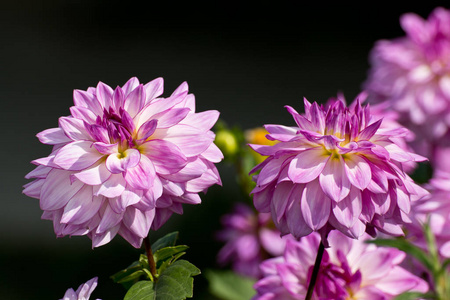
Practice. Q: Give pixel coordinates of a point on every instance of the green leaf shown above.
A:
(142, 290)
(176, 282)
(413, 296)
(228, 285)
(166, 241)
(407, 247)
(168, 252)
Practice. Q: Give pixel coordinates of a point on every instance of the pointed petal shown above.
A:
(315, 205)
(111, 188)
(53, 136)
(119, 162)
(58, 189)
(358, 171)
(77, 156)
(154, 89)
(348, 210)
(81, 207)
(94, 175)
(334, 181)
(307, 165)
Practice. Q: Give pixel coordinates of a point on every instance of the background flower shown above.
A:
(124, 161)
(83, 292)
(337, 169)
(350, 269)
(412, 74)
(249, 239)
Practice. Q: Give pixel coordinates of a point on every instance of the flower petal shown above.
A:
(333, 180)
(307, 165)
(315, 205)
(77, 156)
(358, 171)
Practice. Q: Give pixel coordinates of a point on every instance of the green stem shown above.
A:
(151, 260)
(315, 272)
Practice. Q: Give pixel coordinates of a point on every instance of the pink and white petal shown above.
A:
(296, 223)
(142, 176)
(139, 222)
(348, 210)
(95, 175)
(171, 117)
(204, 120)
(87, 100)
(213, 153)
(147, 129)
(81, 207)
(74, 128)
(77, 156)
(166, 156)
(128, 198)
(104, 94)
(38, 172)
(135, 101)
(130, 237)
(111, 188)
(270, 171)
(399, 281)
(190, 145)
(334, 181)
(83, 113)
(182, 88)
(119, 162)
(280, 198)
(307, 165)
(130, 85)
(358, 171)
(154, 89)
(193, 169)
(104, 237)
(53, 136)
(33, 189)
(315, 205)
(58, 189)
(106, 149)
(109, 220)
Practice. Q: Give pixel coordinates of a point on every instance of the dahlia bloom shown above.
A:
(249, 239)
(337, 169)
(83, 292)
(350, 269)
(412, 74)
(124, 161)
(435, 209)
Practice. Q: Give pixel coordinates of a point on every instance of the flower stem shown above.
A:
(315, 271)
(151, 260)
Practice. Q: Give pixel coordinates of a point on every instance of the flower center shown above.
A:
(120, 127)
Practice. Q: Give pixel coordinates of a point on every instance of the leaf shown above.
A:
(407, 247)
(228, 285)
(142, 290)
(168, 240)
(413, 296)
(168, 252)
(176, 282)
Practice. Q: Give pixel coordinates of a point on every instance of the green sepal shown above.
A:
(227, 285)
(174, 283)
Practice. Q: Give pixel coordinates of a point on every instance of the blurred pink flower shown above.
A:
(350, 269)
(83, 292)
(434, 208)
(124, 161)
(249, 239)
(412, 74)
(337, 169)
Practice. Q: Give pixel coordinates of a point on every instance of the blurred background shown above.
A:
(245, 60)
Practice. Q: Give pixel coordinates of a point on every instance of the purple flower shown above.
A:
(249, 239)
(350, 269)
(83, 292)
(412, 74)
(434, 208)
(337, 169)
(124, 161)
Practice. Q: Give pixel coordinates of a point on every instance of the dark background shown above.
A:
(245, 60)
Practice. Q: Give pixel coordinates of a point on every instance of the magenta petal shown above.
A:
(141, 176)
(166, 156)
(334, 181)
(348, 209)
(315, 205)
(77, 156)
(280, 198)
(87, 100)
(358, 171)
(307, 165)
(147, 129)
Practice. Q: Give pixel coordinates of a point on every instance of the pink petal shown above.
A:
(81, 207)
(109, 219)
(141, 177)
(270, 171)
(347, 210)
(130, 85)
(58, 189)
(171, 117)
(333, 180)
(307, 165)
(106, 149)
(111, 188)
(147, 129)
(315, 205)
(296, 223)
(53, 136)
(154, 89)
(94, 175)
(166, 157)
(104, 94)
(105, 237)
(212, 153)
(135, 101)
(74, 128)
(119, 162)
(358, 171)
(77, 156)
(83, 113)
(204, 120)
(137, 221)
(33, 189)
(87, 100)
(280, 198)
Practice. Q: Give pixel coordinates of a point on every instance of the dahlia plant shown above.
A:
(337, 169)
(124, 161)
(350, 269)
(412, 75)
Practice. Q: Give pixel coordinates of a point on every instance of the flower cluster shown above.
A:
(412, 75)
(124, 161)
(337, 169)
(350, 269)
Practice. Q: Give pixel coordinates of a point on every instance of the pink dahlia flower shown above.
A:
(83, 292)
(337, 169)
(412, 74)
(124, 161)
(249, 239)
(434, 208)
(350, 269)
